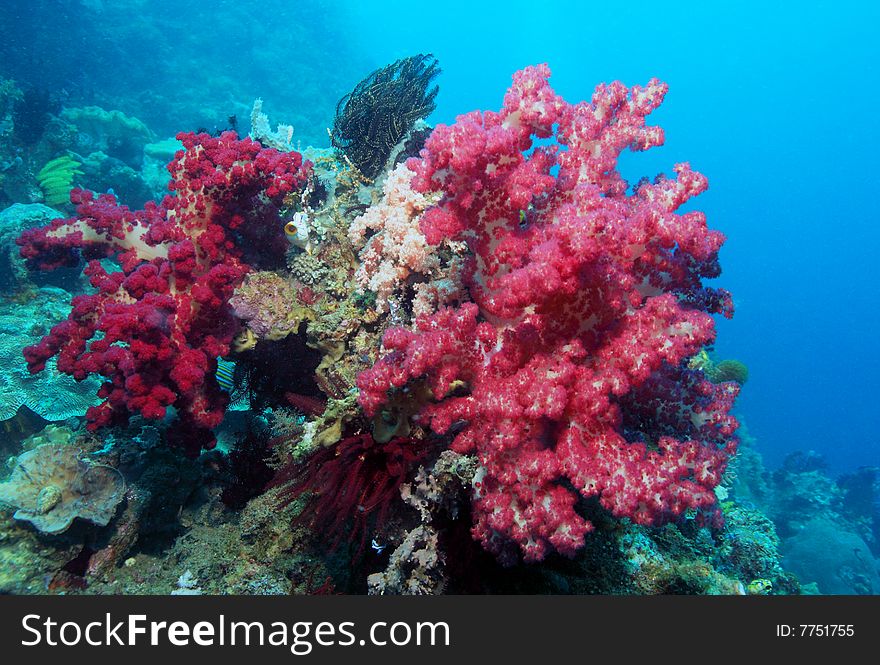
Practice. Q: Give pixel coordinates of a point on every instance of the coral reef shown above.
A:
(861, 503)
(47, 152)
(570, 361)
(670, 562)
(836, 559)
(14, 276)
(801, 491)
(750, 547)
(111, 132)
(471, 359)
(827, 529)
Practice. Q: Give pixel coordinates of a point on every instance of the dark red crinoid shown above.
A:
(351, 485)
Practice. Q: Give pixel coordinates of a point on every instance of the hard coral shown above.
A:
(49, 394)
(53, 484)
(154, 329)
(566, 371)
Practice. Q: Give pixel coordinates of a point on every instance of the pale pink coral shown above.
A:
(398, 251)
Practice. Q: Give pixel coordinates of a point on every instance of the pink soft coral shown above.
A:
(565, 375)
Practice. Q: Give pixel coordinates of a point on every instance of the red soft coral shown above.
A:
(155, 329)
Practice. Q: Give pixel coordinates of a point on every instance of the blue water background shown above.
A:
(776, 102)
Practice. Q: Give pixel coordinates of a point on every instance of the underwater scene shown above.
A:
(438, 298)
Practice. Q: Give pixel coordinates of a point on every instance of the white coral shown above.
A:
(398, 249)
(280, 138)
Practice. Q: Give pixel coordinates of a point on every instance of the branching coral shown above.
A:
(279, 138)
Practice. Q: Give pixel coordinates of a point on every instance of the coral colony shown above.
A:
(164, 318)
(582, 304)
(499, 315)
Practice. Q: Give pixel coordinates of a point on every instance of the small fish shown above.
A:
(377, 547)
(760, 587)
(225, 374)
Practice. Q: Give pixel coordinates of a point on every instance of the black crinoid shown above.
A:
(382, 109)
